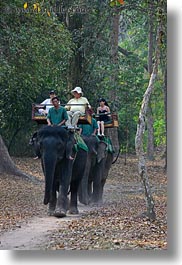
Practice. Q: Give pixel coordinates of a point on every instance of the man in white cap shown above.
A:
(76, 107)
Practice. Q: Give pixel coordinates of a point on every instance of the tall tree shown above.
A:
(165, 104)
(150, 213)
(114, 39)
(150, 130)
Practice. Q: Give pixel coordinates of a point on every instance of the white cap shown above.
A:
(78, 90)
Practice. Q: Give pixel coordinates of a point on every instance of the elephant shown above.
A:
(105, 166)
(77, 175)
(63, 168)
(99, 161)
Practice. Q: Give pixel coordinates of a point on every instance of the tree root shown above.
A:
(149, 216)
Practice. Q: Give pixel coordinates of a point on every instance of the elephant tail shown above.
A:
(114, 161)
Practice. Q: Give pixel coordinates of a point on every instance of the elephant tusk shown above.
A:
(71, 158)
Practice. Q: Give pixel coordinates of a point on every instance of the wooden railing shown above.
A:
(85, 119)
(42, 118)
(112, 120)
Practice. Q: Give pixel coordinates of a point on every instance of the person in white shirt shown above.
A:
(48, 103)
(77, 109)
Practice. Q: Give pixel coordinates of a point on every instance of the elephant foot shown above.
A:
(51, 209)
(50, 212)
(84, 201)
(60, 213)
(73, 211)
(96, 204)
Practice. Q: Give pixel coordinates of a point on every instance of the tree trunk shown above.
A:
(150, 130)
(140, 132)
(114, 54)
(113, 132)
(165, 104)
(7, 165)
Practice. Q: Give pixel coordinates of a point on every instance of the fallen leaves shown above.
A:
(118, 224)
(20, 199)
(112, 227)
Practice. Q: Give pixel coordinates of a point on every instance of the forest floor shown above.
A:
(117, 224)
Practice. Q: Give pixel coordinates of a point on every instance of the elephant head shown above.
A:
(96, 148)
(55, 147)
(101, 153)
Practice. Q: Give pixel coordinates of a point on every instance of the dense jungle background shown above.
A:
(105, 47)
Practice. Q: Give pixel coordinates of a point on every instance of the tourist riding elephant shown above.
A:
(56, 145)
(97, 167)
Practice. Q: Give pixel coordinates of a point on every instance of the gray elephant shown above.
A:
(62, 171)
(104, 167)
(99, 161)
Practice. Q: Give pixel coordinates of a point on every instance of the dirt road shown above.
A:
(33, 234)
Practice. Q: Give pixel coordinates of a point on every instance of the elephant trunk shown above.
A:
(49, 163)
(101, 154)
(94, 151)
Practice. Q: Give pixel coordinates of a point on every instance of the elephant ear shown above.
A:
(101, 153)
(37, 147)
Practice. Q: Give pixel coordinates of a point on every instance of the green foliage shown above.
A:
(134, 78)
(159, 132)
(45, 48)
(35, 58)
(157, 102)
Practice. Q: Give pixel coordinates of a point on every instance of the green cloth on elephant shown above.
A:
(80, 142)
(110, 147)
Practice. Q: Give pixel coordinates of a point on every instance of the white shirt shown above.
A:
(81, 100)
(48, 104)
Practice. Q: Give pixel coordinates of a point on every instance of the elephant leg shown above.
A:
(52, 204)
(108, 164)
(83, 189)
(101, 178)
(61, 205)
(73, 208)
(53, 200)
(102, 190)
(62, 201)
(90, 188)
(97, 185)
(79, 170)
